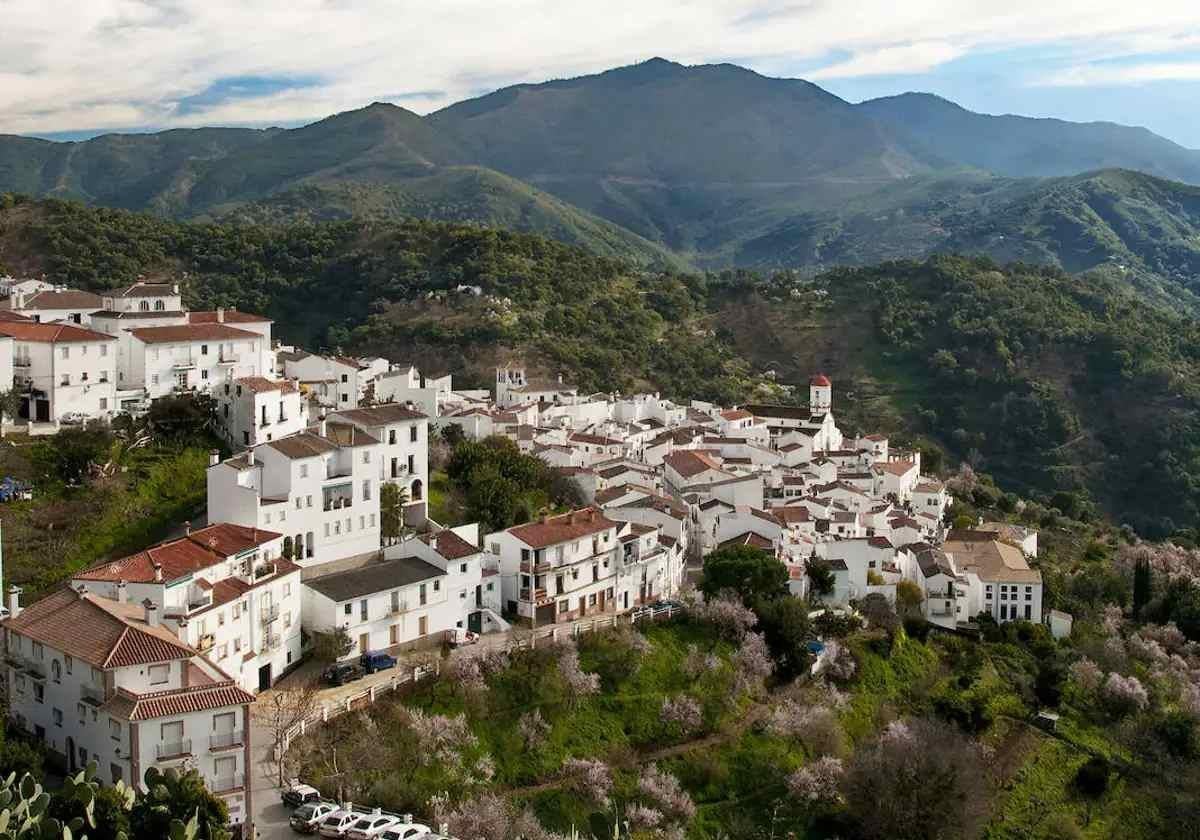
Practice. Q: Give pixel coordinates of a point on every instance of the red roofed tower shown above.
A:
(820, 394)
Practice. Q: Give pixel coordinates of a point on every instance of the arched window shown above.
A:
(144, 306)
(159, 306)
(56, 670)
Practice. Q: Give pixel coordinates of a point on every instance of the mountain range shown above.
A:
(711, 166)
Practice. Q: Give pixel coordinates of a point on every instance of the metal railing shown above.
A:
(91, 694)
(268, 615)
(227, 784)
(224, 740)
(174, 749)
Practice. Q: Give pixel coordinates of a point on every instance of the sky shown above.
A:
(74, 69)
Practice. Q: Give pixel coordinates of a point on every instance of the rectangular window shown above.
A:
(413, 433)
(362, 610)
(299, 503)
(366, 456)
(104, 403)
(66, 379)
(68, 663)
(366, 490)
(160, 674)
(114, 729)
(39, 692)
(56, 714)
(371, 519)
(424, 596)
(411, 464)
(203, 349)
(81, 713)
(304, 470)
(348, 608)
(64, 353)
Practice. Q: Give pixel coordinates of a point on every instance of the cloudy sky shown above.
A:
(86, 66)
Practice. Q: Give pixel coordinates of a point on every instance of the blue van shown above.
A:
(373, 661)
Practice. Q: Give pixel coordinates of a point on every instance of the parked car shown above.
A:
(372, 825)
(340, 673)
(338, 823)
(457, 637)
(297, 794)
(405, 831)
(308, 817)
(376, 660)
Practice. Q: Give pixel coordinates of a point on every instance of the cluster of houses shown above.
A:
(154, 659)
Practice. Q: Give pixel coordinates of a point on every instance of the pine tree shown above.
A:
(1142, 586)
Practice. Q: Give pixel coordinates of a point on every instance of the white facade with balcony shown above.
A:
(164, 360)
(62, 370)
(320, 490)
(254, 410)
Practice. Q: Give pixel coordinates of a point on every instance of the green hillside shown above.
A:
(1050, 381)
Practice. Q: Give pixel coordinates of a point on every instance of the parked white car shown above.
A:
(338, 823)
(372, 825)
(308, 817)
(405, 831)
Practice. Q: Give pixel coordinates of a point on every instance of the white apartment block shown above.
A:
(226, 590)
(96, 679)
(188, 357)
(582, 563)
(338, 382)
(319, 487)
(409, 597)
(62, 369)
(58, 304)
(403, 455)
(253, 410)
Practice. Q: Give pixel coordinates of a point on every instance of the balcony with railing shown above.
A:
(338, 497)
(272, 641)
(227, 784)
(226, 740)
(398, 607)
(529, 567)
(539, 594)
(173, 749)
(269, 615)
(263, 570)
(91, 694)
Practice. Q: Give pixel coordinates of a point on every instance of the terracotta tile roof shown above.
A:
(736, 414)
(98, 631)
(380, 415)
(751, 539)
(231, 316)
(782, 412)
(6, 315)
(792, 515)
(594, 439)
(992, 560)
(449, 544)
(689, 463)
(198, 550)
(50, 333)
(897, 468)
(262, 385)
(348, 435)
(70, 299)
(302, 445)
(144, 290)
(558, 529)
(184, 700)
(136, 314)
(191, 332)
(348, 361)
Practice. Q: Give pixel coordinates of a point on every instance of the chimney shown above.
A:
(187, 528)
(151, 609)
(220, 315)
(560, 379)
(181, 626)
(158, 566)
(122, 591)
(214, 457)
(175, 289)
(324, 427)
(14, 601)
(545, 519)
(250, 457)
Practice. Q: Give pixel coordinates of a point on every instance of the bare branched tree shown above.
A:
(278, 713)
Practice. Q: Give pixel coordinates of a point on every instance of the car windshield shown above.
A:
(364, 824)
(305, 811)
(336, 819)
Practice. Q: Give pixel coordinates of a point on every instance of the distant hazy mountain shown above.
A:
(713, 165)
(1026, 146)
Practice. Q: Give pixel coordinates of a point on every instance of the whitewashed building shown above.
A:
(62, 370)
(253, 410)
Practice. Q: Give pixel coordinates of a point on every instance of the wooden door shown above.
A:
(395, 634)
(423, 625)
(364, 642)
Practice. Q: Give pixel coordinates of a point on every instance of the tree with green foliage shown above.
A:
(186, 419)
(908, 597)
(1143, 586)
(750, 572)
(10, 404)
(69, 455)
(331, 645)
(784, 625)
(878, 612)
(392, 498)
(172, 799)
(821, 579)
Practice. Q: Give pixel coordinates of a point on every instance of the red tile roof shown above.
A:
(191, 332)
(69, 299)
(230, 316)
(50, 333)
(184, 700)
(820, 381)
(98, 631)
(380, 415)
(198, 550)
(736, 414)
(689, 463)
(558, 529)
(449, 544)
(262, 385)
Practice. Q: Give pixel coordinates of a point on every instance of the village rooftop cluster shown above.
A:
(154, 659)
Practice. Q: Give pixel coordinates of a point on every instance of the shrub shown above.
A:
(1124, 695)
(818, 782)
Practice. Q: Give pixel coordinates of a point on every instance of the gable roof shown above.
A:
(191, 332)
(381, 415)
(177, 558)
(301, 445)
(101, 632)
(179, 701)
(228, 316)
(262, 385)
(68, 299)
(374, 577)
(144, 290)
(50, 333)
(569, 526)
(992, 560)
(690, 463)
(449, 544)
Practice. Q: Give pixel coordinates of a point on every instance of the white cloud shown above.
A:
(1093, 75)
(887, 61)
(124, 63)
